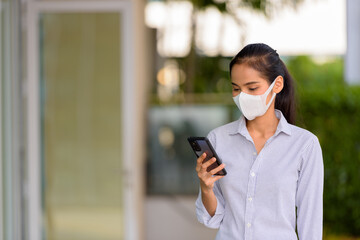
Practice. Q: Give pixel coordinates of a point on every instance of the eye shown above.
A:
(236, 89)
(253, 89)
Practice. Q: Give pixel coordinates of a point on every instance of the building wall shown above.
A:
(11, 190)
(16, 184)
(352, 57)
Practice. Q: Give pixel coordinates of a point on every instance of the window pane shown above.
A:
(171, 163)
(82, 184)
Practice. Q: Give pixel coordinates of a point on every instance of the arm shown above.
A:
(210, 214)
(210, 203)
(309, 195)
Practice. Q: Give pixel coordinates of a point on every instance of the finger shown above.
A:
(217, 169)
(201, 158)
(208, 163)
(211, 180)
(217, 177)
(199, 161)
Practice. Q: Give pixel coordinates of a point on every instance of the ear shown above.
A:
(279, 84)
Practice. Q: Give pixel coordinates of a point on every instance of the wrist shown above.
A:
(206, 191)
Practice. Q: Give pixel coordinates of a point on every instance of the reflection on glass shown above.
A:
(171, 163)
(82, 184)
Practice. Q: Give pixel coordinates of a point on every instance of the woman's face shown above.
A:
(246, 79)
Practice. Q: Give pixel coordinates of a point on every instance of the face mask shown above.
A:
(253, 106)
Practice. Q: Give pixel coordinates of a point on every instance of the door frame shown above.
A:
(34, 9)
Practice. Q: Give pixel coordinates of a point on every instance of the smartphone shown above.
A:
(201, 145)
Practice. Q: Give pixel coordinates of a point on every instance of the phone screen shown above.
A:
(201, 145)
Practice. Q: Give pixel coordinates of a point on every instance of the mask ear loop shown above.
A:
(272, 98)
(267, 93)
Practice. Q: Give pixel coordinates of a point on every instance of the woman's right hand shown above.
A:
(207, 179)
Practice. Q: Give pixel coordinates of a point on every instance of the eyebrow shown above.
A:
(246, 84)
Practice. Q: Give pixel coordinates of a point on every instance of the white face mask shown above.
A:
(253, 106)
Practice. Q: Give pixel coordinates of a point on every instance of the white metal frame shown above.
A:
(35, 8)
(10, 188)
(1, 139)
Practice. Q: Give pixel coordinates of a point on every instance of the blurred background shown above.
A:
(97, 98)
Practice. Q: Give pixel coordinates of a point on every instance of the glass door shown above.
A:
(77, 81)
(81, 125)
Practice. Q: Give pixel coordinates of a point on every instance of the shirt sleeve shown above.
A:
(202, 214)
(309, 195)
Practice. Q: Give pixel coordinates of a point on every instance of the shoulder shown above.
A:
(303, 134)
(227, 128)
(223, 131)
(309, 141)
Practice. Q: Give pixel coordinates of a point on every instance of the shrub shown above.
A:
(330, 108)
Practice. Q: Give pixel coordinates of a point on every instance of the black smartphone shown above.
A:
(201, 145)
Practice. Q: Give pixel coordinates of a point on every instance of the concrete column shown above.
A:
(352, 58)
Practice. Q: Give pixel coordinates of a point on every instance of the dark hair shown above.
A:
(267, 62)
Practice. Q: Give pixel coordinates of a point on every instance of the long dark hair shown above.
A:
(267, 62)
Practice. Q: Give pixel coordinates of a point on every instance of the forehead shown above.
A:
(242, 73)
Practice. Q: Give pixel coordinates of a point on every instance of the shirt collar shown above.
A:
(283, 126)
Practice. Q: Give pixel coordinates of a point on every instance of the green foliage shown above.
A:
(259, 5)
(311, 76)
(330, 108)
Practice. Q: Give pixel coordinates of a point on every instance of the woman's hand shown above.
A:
(207, 179)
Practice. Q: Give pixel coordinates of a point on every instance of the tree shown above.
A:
(193, 62)
(266, 7)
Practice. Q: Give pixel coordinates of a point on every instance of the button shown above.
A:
(248, 225)
(252, 174)
(254, 153)
(250, 199)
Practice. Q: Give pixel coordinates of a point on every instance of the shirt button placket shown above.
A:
(249, 211)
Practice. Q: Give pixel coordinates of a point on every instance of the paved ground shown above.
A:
(173, 218)
(84, 223)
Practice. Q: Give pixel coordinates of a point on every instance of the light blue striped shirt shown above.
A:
(257, 199)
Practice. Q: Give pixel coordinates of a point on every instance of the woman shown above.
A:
(274, 186)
